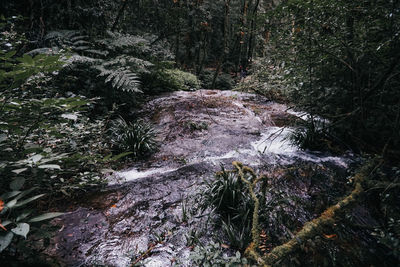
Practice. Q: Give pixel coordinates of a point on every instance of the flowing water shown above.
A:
(198, 132)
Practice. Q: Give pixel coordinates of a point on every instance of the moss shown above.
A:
(310, 229)
(164, 80)
(182, 80)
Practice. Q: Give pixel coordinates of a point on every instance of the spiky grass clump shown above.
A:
(137, 137)
(230, 200)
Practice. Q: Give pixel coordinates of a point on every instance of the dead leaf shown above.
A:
(225, 246)
(333, 236)
(2, 227)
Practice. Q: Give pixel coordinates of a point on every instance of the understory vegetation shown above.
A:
(75, 74)
(270, 220)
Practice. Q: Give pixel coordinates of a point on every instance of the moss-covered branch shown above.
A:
(310, 229)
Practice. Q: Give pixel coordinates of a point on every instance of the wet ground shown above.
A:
(142, 215)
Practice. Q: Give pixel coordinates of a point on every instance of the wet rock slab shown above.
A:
(141, 217)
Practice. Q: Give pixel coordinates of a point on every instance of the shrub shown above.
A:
(18, 220)
(137, 137)
(165, 80)
(229, 198)
(224, 81)
(212, 255)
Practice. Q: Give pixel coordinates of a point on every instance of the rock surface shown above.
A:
(141, 216)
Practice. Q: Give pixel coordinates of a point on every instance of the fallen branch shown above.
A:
(310, 229)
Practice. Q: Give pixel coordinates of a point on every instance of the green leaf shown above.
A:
(5, 223)
(50, 166)
(9, 195)
(27, 59)
(46, 216)
(18, 171)
(107, 157)
(10, 54)
(23, 215)
(36, 158)
(17, 183)
(5, 240)
(117, 157)
(24, 193)
(22, 229)
(11, 203)
(3, 137)
(26, 201)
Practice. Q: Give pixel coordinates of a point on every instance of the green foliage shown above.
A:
(268, 80)
(229, 198)
(121, 78)
(15, 216)
(45, 137)
(117, 62)
(15, 71)
(213, 255)
(224, 81)
(138, 137)
(182, 80)
(165, 79)
(310, 136)
(341, 59)
(140, 46)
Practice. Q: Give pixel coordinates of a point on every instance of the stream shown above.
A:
(198, 131)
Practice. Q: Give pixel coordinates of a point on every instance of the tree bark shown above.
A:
(120, 12)
(225, 49)
(252, 32)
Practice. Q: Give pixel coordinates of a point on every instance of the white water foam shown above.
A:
(307, 116)
(134, 174)
(276, 141)
(273, 142)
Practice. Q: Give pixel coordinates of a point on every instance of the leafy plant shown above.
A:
(164, 79)
(43, 134)
(339, 60)
(223, 82)
(309, 137)
(213, 255)
(229, 198)
(121, 78)
(183, 80)
(13, 215)
(137, 137)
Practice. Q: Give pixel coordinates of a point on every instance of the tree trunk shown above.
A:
(120, 12)
(225, 49)
(252, 32)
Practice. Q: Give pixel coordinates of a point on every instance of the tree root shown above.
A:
(310, 229)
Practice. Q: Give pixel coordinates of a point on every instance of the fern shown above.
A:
(120, 41)
(137, 46)
(121, 78)
(141, 66)
(75, 41)
(120, 59)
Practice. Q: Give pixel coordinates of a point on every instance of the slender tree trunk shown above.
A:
(252, 32)
(204, 54)
(120, 12)
(32, 17)
(69, 8)
(225, 48)
(177, 46)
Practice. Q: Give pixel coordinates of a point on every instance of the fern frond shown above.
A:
(140, 65)
(121, 78)
(118, 40)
